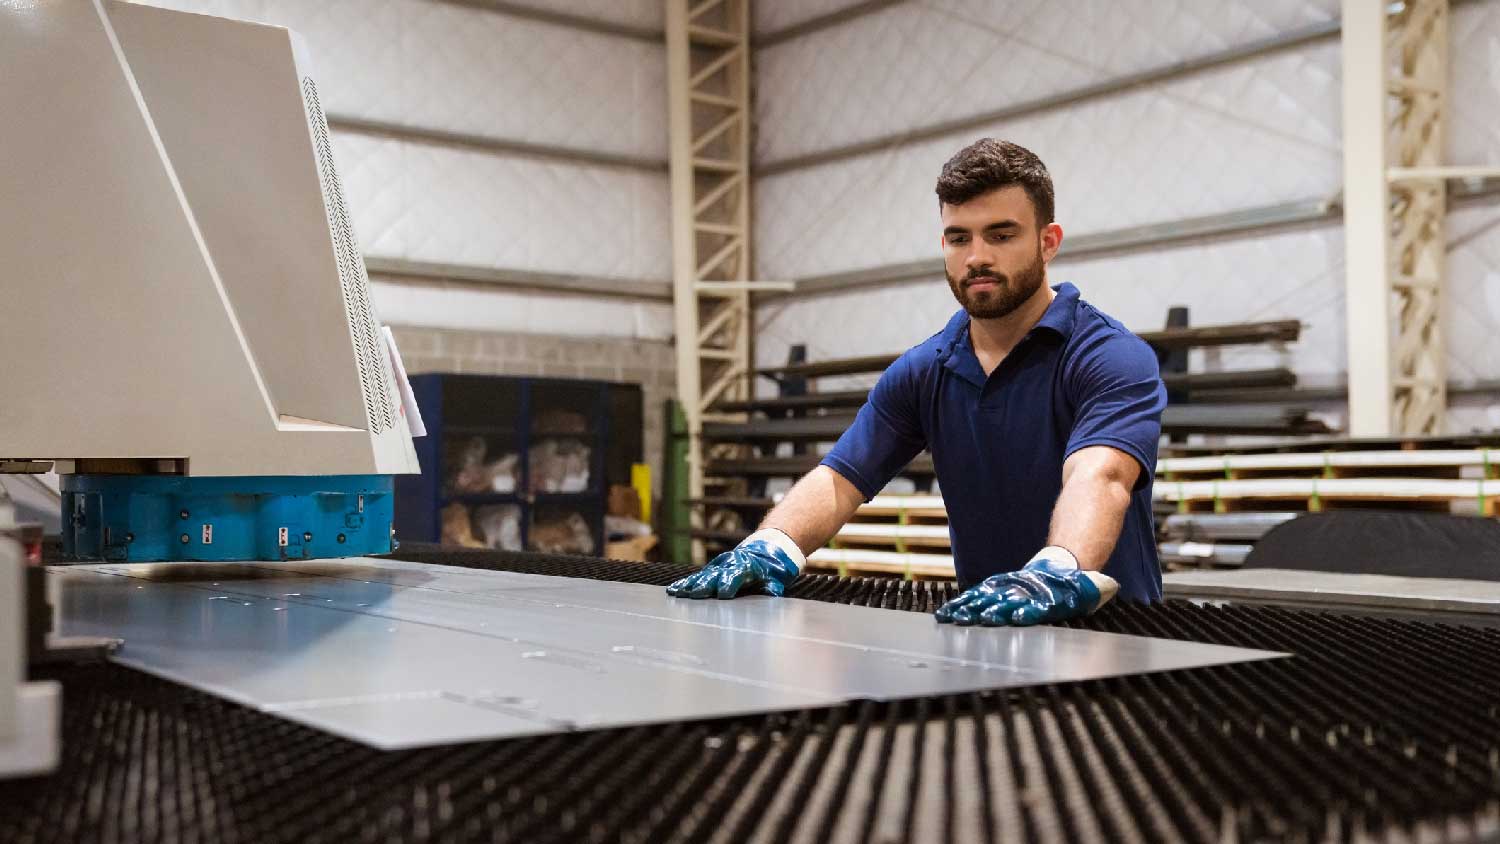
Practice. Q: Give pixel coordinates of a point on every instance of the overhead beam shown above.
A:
(497, 146)
(529, 281)
(563, 19)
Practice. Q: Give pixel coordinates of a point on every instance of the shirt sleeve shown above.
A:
(1119, 396)
(884, 437)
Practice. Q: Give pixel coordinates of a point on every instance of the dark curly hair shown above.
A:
(989, 164)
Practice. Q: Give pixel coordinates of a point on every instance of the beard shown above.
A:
(1009, 293)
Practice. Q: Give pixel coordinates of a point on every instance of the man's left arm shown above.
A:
(1111, 451)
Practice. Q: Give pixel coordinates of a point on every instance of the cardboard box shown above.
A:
(635, 548)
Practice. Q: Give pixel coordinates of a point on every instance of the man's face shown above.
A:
(993, 253)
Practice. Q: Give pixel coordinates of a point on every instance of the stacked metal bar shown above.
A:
(1377, 730)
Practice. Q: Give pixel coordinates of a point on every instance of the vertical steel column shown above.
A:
(1395, 201)
(708, 74)
(1418, 85)
(1366, 232)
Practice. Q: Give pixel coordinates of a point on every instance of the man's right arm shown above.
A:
(769, 560)
(815, 508)
(884, 437)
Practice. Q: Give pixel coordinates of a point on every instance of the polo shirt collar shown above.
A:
(1059, 315)
(958, 353)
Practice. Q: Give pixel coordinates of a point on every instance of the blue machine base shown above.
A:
(162, 518)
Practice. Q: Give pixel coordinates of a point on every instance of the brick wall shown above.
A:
(649, 363)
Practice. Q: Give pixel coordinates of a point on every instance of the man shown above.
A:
(1041, 413)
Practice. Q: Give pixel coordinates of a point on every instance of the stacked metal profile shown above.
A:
(1377, 730)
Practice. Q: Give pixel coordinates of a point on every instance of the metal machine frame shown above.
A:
(29, 711)
(212, 304)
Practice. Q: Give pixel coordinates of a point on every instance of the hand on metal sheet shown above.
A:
(766, 563)
(1051, 587)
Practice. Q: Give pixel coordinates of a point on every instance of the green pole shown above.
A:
(676, 518)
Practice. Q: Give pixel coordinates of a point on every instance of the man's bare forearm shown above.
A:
(815, 508)
(1090, 510)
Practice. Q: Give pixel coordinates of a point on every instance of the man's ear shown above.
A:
(1052, 237)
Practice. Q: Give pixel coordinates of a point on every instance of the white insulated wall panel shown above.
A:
(423, 202)
(1471, 307)
(1474, 52)
(441, 66)
(496, 75)
(919, 63)
(772, 15)
(1246, 135)
(1473, 416)
(1471, 312)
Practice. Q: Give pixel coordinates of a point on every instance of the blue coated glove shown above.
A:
(1049, 588)
(765, 563)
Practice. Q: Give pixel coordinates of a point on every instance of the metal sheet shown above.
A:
(1330, 589)
(397, 654)
(1213, 527)
(1204, 554)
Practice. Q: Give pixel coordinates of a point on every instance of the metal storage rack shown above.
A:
(510, 415)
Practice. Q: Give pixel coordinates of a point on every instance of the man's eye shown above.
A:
(1000, 238)
(958, 240)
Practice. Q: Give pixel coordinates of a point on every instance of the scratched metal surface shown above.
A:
(397, 655)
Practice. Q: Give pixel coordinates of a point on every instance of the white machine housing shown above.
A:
(179, 276)
(29, 711)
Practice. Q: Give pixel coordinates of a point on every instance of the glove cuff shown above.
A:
(1057, 554)
(1059, 557)
(779, 539)
(1108, 587)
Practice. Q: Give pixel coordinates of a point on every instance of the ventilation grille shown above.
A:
(373, 378)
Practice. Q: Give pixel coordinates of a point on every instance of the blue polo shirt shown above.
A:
(998, 443)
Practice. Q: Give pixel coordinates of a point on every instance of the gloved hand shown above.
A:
(765, 563)
(1049, 588)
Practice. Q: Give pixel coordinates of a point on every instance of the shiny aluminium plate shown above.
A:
(1337, 589)
(395, 654)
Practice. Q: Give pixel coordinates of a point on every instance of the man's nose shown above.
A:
(979, 256)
